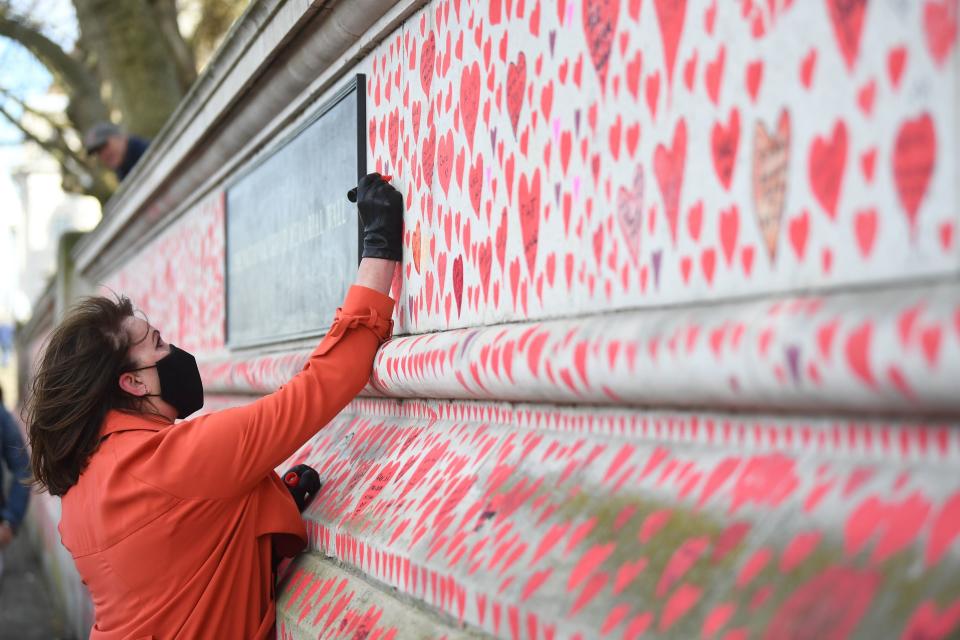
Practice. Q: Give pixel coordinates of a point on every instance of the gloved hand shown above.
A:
(303, 483)
(381, 212)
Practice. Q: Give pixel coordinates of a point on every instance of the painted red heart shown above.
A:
(896, 524)
(807, 68)
(428, 52)
(754, 78)
(928, 622)
(858, 349)
(708, 263)
(896, 60)
(476, 183)
(461, 162)
(940, 27)
(866, 96)
(826, 167)
(529, 201)
(427, 150)
(946, 525)
(670, 16)
(415, 118)
(600, 26)
(710, 17)
(690, 72)
(415, 246)
(695, 220)
(458, 281)
(632, 138)
(546, 100)
(501, 241)
(469, 99)
(868, 161)
(445, 158)
(945, 232)
(729, 231)
(724, 142)
(566, 146)
(714, 75)
(484, 263)
(393, 134)
(746, 259)
(846, 17)
(799, 230)
(630, 214)
(668, 165)
(634, 73)
(914, 157)
(653, 93)
(516, 85)
(865, 230)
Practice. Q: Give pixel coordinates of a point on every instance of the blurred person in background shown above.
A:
(13, 501)
(115, 149)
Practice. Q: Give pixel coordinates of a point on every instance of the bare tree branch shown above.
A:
(77, 174)
(85, 108)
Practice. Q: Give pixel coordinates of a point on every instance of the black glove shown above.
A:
(381, 212)
(303, 483)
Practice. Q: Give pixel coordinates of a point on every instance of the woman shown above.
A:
(173, 526)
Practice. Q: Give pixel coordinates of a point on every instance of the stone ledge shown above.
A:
(896, 350)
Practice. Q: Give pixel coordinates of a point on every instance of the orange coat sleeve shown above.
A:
(226, 453)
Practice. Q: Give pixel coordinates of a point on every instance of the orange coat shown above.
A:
(171, 525)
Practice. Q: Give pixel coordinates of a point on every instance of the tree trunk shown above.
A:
(132, 52)
(165, 13)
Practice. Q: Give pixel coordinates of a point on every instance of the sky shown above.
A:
(20, 73)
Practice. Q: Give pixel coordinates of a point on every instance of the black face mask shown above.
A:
(180, 383)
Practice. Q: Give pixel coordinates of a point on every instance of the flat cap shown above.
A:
(98, 134)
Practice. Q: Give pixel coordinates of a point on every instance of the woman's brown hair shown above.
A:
(74, 387)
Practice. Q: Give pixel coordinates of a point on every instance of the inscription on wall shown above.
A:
(292, 236)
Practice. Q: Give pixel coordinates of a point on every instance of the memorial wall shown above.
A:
(677, 338)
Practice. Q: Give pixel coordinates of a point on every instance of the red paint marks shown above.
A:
(679, 604)
(717, 619)
(670, 17)
(799, 549)
(652, 524)
(754, 565)
(765, 480)
(626, 574)
(846, 16)
(638, 626)
(929, 622)
(681, 562)
(589, 563)
(896, 523)
(720, 474)
(535, 582)
(590, 591)
(827, 163)
(729, 539)
(616, 616)
(914, 158)
(826, 618)
(579, 534)
(945, 529)
(668, 166)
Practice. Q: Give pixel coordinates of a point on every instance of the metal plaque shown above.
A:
(292, 235)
